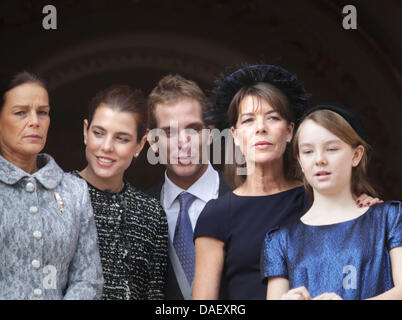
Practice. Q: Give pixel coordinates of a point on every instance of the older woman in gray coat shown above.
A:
(48, 241)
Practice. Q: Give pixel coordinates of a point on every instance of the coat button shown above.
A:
(33, 209)
(30, 187)
(37, 235)
(36, 264)
(38, 293)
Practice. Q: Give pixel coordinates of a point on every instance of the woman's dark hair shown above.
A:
(8, 82)
(265, 91)
(122, 98)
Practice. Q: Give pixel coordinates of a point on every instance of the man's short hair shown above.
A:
(172, 88)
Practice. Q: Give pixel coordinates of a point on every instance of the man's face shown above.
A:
(182, 144)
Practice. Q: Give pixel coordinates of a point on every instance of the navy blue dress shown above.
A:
(241, 223)
(350, 258)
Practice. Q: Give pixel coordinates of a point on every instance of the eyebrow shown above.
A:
(326, 142)
(252, 113)
(27, 106)
(189, 126)
(195, 124)
(118, 133)
(166, 128)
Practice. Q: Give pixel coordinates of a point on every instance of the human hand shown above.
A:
(328, 296)
(365, 200)
(300, 293)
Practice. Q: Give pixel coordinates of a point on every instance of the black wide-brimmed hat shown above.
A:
(229, 85)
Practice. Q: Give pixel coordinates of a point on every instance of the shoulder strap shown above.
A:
(184, 286)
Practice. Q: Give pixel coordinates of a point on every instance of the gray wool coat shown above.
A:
(48, 240)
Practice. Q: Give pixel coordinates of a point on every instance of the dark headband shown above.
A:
(345, 113)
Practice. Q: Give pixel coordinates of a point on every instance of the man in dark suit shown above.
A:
(177, 107)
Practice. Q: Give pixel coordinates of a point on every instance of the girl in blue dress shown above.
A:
(336, 250)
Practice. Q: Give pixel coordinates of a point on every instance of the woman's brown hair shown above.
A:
(122, 98)
(8, 83)
(337, 125)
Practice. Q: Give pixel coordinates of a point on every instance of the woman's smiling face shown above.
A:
(111, 142)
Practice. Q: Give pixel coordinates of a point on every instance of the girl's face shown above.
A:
(111, 142)
(261, 132)
(325, 159)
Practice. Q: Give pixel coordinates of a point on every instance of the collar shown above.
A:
(209, 178)
(49, 173)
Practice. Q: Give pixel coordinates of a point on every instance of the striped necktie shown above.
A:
(183, 236)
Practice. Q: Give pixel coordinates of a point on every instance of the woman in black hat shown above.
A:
(336, 250)
(260, 104)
